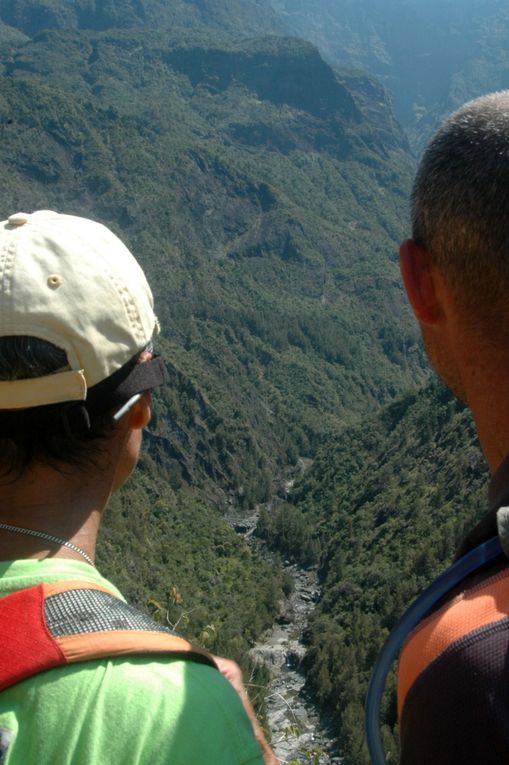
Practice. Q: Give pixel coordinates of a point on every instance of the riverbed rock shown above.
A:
(293, 721)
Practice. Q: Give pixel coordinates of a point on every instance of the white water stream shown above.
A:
(297, 735)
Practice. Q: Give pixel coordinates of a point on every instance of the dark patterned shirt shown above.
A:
(453, 679)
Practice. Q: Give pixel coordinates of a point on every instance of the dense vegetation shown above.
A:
(173, 552)
(381, 510)
(264, 193)
(243, 17)
(264, 212)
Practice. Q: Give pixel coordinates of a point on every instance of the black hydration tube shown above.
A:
(466, 565)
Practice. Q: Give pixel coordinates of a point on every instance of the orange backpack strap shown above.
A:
(65, 622)
(468, 614)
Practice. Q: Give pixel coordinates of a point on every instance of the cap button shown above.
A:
(18, 219)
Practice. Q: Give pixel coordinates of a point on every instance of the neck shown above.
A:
(487, 384)
(66, 505)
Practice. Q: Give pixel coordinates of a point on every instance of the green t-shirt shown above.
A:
(119, 711)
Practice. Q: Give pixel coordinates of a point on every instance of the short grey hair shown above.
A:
(460, 200)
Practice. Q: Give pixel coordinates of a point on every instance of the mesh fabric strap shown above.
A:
(65, 622)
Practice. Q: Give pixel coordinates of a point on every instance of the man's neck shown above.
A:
(487, 388)
(66, 504)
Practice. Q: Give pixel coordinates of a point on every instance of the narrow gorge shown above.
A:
(297, 732)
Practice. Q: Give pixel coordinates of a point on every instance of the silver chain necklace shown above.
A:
(48, 538)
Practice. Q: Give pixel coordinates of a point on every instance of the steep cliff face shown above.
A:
(285, 74)
(280, 71)
(377, 107)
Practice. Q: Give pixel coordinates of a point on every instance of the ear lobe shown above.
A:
(418, 277)
(140, 414)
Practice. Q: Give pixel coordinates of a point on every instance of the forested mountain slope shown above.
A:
(264, 194)
(266, 213)
(382, 510)
(433, 55)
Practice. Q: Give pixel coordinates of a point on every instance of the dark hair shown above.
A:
(57, 434)
(460, 201)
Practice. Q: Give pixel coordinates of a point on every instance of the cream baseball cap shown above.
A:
(72, 282)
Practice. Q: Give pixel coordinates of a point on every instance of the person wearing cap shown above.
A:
(453, 675)
(76, 370)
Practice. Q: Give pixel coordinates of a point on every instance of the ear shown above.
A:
(419, 279)
(139, 416)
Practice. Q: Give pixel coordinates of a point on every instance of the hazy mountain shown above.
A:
(431, 54)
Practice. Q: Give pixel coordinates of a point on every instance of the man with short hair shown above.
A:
(84, 677)
(454, 673)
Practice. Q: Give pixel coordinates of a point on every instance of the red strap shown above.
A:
(26, 645)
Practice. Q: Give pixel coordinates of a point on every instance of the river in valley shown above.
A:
(297, 734)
